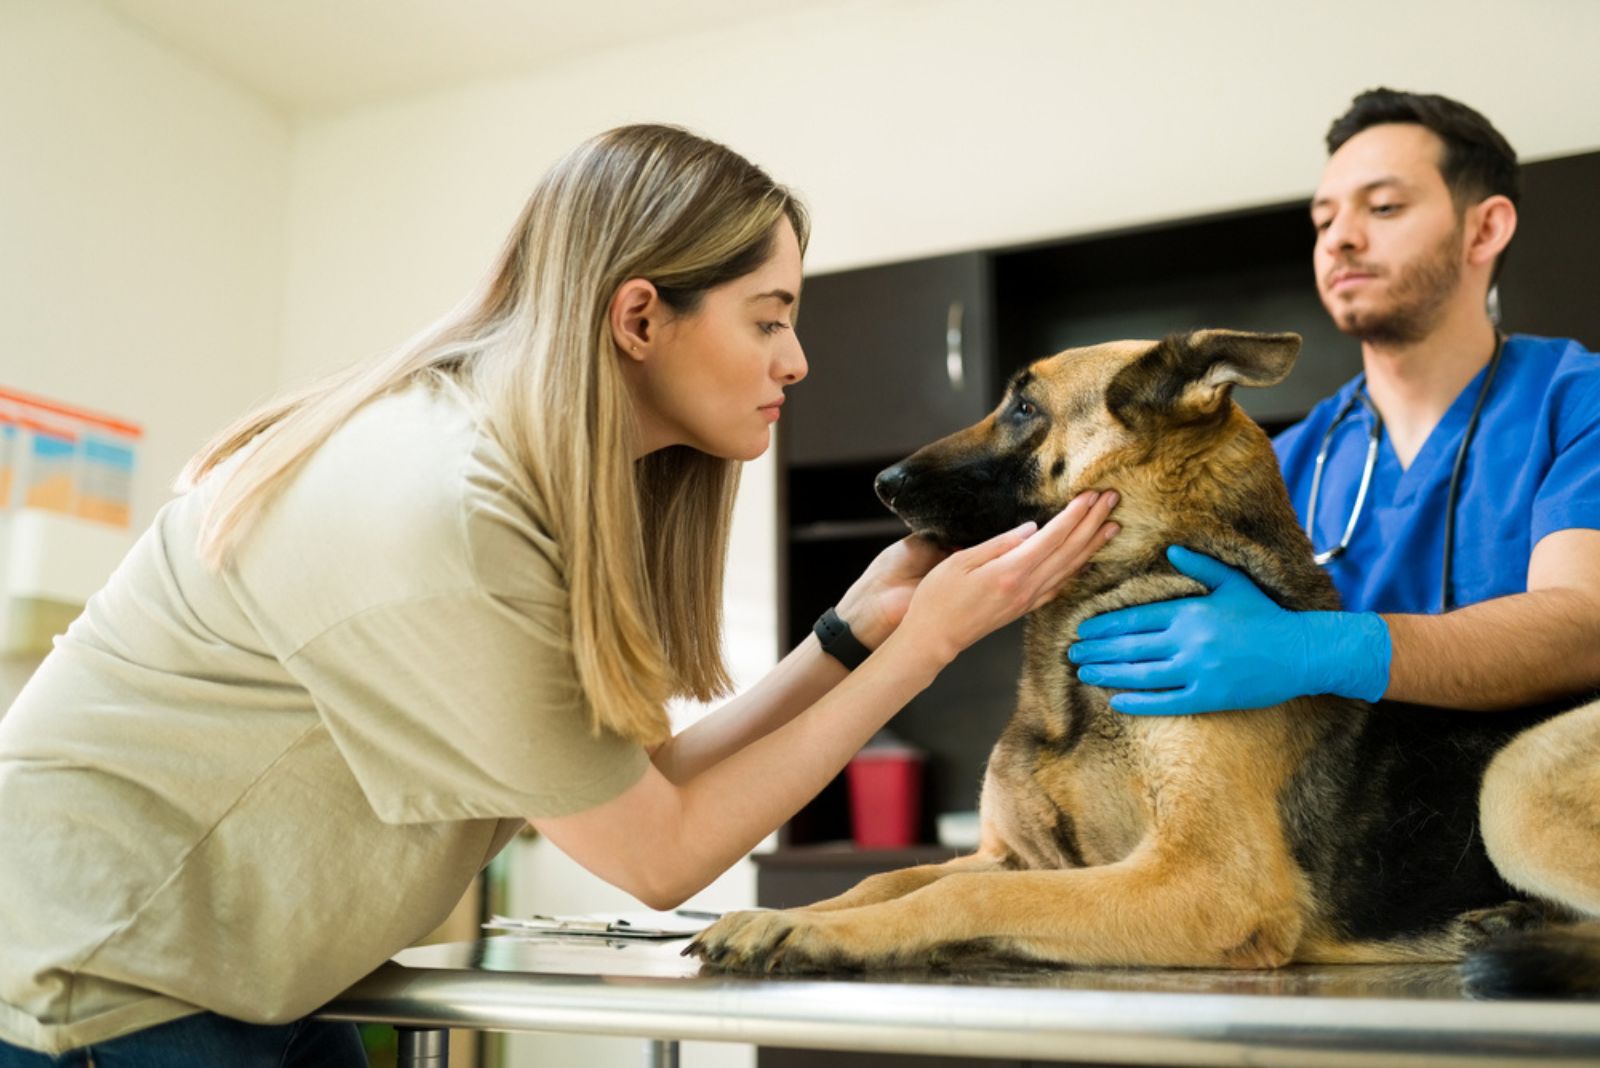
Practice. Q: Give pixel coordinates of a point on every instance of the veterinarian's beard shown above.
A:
(1417, 300)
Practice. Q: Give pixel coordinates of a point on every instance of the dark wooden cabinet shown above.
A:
(898, 355)
(1550, 283)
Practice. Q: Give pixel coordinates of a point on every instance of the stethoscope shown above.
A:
(1373, 437)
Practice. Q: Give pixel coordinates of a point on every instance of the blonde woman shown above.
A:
(396, 616)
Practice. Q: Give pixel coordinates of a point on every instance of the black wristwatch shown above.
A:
(838, 641)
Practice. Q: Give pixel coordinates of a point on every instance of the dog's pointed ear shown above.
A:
(1190, 376)
(1227, 358)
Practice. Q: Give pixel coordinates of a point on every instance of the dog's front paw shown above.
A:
(789, 941)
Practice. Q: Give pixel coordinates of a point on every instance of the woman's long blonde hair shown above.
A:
(644, 542)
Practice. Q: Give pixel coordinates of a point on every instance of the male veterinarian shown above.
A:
(1458, 506)
(1415, 207)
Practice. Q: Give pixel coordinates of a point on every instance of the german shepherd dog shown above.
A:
(1321, 830)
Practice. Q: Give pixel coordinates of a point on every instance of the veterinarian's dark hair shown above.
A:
(1478, 161)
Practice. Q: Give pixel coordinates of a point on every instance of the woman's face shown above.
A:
(714, 379)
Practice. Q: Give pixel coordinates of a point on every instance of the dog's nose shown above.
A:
(889, 483)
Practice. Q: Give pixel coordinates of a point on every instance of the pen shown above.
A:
(696, 914)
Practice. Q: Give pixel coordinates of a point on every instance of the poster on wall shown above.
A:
(66, 509)
(60, 458)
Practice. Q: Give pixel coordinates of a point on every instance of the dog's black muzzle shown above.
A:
(889, 483)
(959, 504)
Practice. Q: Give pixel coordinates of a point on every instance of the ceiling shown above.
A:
(312, 55)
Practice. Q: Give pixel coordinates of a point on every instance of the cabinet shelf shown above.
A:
(853, 858)
(849, 529)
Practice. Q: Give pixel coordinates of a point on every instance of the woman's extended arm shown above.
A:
(873, 606)
(667, 836)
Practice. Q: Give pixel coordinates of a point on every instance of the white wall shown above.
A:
(143, 207)
(143, 204)
(918, 127)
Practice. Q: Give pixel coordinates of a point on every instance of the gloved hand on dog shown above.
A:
(1232, 648)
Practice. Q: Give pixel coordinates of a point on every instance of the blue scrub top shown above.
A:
(1532, 468)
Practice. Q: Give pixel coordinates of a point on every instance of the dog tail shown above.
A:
(1563, 959)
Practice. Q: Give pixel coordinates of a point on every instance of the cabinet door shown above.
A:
(1553, 262)
(899, 356)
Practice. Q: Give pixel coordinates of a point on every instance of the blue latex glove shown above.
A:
(1231, 648)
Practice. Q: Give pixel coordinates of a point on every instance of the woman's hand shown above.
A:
(981, 589)
(876, 602)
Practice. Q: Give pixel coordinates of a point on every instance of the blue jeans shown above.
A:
(207, 1040)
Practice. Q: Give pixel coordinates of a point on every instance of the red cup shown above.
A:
(885, 796)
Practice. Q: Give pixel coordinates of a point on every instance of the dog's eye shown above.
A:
(1025, 408)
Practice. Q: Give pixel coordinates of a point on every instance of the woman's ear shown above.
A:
(1492, 223)
(632, 309)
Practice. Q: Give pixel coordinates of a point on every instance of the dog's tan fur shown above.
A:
(1541, 810)
(1109, 839)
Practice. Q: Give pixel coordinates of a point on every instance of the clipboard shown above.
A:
(644, 926)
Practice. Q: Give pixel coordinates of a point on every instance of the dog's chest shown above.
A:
(1064, 799)
(1071, 782)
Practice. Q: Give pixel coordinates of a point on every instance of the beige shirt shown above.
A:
(243, 792)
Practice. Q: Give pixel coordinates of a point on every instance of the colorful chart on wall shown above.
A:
(59, 457)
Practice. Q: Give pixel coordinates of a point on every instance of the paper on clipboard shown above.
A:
(659, 926)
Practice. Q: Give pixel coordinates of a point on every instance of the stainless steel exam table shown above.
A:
(1302, 1016)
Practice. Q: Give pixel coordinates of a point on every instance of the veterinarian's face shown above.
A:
(1390, 246)
(715, 377)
